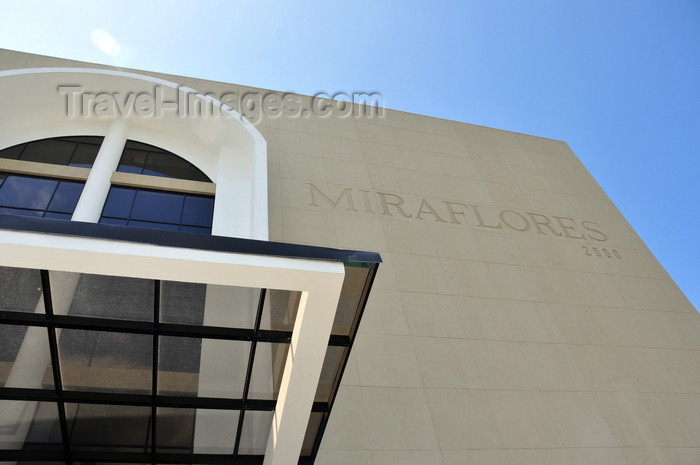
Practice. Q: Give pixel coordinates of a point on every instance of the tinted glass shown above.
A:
(21, 212)
(255, 431)
(66, 197)
(132, 161)
(280, 310)
(36, 196)
(198, 211)
(175, 431)
(179, 354)
(182, 302)
(122, 428)
(100, 296)
(119, 202)
(351, 297)
(43, 435)
(12, 152)
(195, 230)
(311, 433)
(58, 216)
(222, 374)
(84, 155)
(11, 339)
(161, 207)
(73, 151)
(27, 192)
(105, 220)
(163, 164)
(44, 432)
(268, 368)
(330, 372)
(171, 211)
(106, 361)
(20, 289)
(140, 158)
(152, 225)
(53, 151)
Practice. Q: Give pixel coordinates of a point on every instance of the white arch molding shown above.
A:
(223, 144)
(233, 154)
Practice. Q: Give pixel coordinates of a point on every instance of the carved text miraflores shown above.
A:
(453, 212)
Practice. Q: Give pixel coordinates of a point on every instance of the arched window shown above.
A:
(30, 184)
(134, 199)
(151, 187)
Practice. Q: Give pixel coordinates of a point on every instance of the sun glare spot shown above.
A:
(105, 42)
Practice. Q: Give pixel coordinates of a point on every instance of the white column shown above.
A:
(33, 356)
(96, 188)
(232, 218)
(302, 370)
(233, 204)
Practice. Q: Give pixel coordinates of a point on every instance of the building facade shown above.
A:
(516, 317)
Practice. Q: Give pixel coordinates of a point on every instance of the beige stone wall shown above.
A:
(527, 343)
(517, 318)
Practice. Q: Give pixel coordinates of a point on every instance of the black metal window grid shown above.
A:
(164, 417)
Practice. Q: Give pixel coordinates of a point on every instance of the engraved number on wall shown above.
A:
(601, 252)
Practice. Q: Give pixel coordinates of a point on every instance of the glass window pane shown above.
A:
(215, 431)
(119, 202)
(11, 337)
(348, 306)
(150, 225)
(255, 431)
(182, 302)
(105, 296)
(146, 159)
(178, 365)
(90, 140)
(21, 212)
(195, 230)
(268, 368)
(107, 361)
(20, 289)
(32, 369)
(122, 428)
(39, 419)
(12, 153)
(84, 155)
(134, 145)
(311, 433)
(54, 151)
(330, 372)
(66, 197)
(202, 367)
(167, 165)
(58, 216)
(159, 210)
(162, 207)
(175, 429)
(132, 161)
(26, 192)
(198, 211)
(280, 310)
(105, 220)
(228, 306)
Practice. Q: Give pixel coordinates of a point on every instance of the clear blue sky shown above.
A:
(618, 80)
